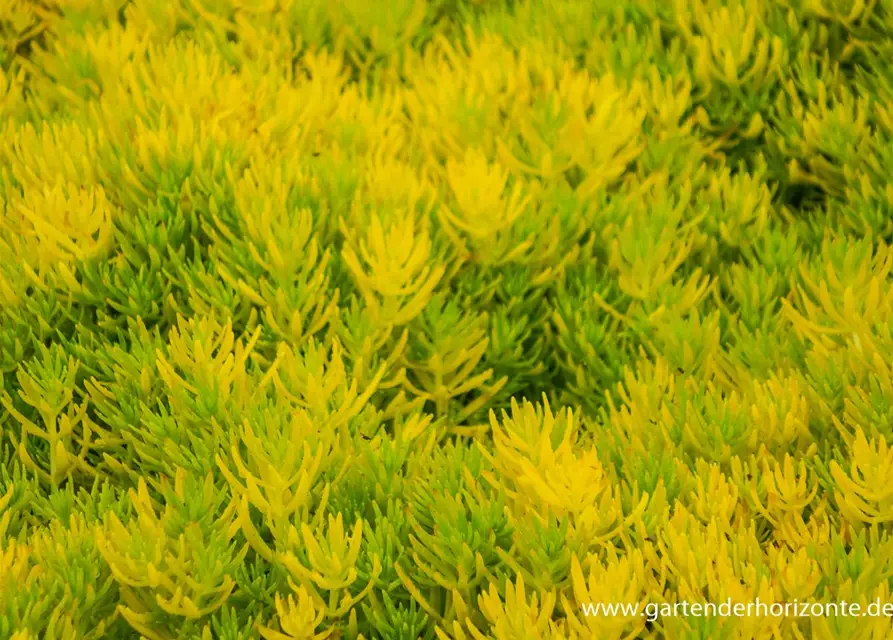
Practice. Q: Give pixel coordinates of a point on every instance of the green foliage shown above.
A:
(444, 319)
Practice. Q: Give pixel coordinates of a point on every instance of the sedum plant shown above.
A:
(444, 320)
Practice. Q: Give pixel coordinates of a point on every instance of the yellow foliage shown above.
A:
(395, 275)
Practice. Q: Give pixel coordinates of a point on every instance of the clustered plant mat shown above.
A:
(441, 319)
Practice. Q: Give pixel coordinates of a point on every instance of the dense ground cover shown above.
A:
(443, 319)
